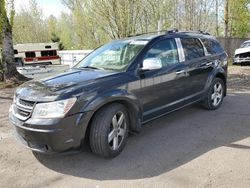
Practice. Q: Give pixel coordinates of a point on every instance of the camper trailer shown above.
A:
(37, 53)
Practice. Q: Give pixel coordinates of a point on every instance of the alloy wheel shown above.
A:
(217, 94)
(117, 130)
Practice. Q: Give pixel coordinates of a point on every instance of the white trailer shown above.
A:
(37, 53)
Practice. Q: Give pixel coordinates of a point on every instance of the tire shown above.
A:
(214, 98)
(109, 130)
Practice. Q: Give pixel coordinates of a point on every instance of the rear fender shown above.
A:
(218, 72)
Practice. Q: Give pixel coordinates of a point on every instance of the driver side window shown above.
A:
(165, 51)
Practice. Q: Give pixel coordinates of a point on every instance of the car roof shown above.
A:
(149, 37)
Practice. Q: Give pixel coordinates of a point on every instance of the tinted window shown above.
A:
(166, 51)
(48, 53)
(213, 47)
(15, 51)
(30, 54)
(192, 48)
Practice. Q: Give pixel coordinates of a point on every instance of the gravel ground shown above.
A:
(189, 148)
(239, 78)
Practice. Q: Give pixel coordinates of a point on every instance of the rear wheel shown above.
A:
(109, 130)
(215, 95)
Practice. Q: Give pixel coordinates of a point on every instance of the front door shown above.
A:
(161, 89)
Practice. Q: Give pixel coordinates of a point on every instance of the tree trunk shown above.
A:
(11, 75)
(226, 17)
(217, 17)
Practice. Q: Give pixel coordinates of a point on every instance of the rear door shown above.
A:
(198, 66)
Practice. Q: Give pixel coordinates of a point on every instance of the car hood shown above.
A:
(50, 88)
(242, 50)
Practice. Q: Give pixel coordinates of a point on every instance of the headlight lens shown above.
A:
(57, 109)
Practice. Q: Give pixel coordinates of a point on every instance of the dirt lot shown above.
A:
(189, 148)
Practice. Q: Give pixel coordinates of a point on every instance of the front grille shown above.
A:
(23, 113)
(23, 108)
(26, 103)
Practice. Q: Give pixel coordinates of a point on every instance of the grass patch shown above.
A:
(230, 61)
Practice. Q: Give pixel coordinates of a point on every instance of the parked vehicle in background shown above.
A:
(242, 54)
(37, 53)
(117, 88)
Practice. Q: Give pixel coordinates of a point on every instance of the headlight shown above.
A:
(57, 109)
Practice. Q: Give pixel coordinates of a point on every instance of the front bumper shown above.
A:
(51, 135)
(241, 60)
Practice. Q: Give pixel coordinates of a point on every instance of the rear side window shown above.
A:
(192, 48)
(30, 54)
(48, 53)
(212, 46)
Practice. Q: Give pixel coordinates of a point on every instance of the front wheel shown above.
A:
(215, 95)
(109, 130)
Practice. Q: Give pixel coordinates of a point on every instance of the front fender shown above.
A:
(119, 95)
(112, 96)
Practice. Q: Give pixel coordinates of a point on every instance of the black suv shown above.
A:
(118, 88)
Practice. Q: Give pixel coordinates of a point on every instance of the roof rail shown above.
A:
(171, 31)
(197, 32)
(151, 32)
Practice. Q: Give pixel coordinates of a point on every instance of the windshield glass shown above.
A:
(245, 45)
(113, 56)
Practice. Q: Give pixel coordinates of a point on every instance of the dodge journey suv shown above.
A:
(118, 88)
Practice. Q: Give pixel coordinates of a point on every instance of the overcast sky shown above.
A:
(54, 7)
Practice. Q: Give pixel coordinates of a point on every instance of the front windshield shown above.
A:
(245, 45)
(113, 56)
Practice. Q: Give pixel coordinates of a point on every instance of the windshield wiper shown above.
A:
(90, 67)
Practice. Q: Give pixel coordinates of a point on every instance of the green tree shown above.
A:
(239, 18)
(64, 30)
(11, 75)
(55, 38)
(30, 25)
(98, 21)
(91, 23)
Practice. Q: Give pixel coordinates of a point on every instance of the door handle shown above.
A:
(207, 64)
(180, 72)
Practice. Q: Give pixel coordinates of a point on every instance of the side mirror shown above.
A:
(151, 64)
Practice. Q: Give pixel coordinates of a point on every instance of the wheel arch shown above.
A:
(218, 73)
(224, 79)
(131, 103)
